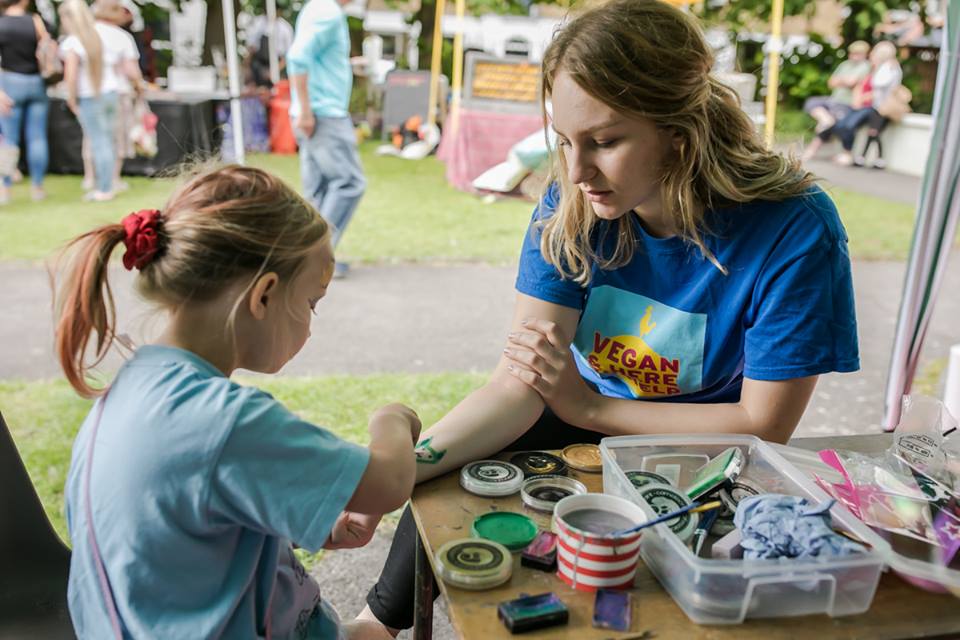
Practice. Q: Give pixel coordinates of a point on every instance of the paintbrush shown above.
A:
(693, 507)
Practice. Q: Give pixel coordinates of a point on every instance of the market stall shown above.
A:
(187, 129)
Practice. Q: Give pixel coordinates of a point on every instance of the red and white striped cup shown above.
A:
(589, 561)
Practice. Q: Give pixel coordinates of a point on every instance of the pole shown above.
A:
(272, 41)
(773, 69)
(457, 67)
(435, 63)
(233, 75)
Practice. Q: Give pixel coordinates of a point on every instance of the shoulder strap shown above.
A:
(92, 537)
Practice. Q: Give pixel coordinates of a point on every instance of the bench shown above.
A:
(906, 144)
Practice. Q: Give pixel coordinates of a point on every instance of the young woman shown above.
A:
(95, 58)
(678, 276)
(20, 81)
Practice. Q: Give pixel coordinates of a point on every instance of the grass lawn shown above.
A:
(45, 415)
(409, 213)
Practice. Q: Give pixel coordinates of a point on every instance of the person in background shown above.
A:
(83, 74)
(900, 26)
(257, 60)
(22, 84)
(318, 64)
(143, 36)
(885, 76)
(113, 15)
(826, 110)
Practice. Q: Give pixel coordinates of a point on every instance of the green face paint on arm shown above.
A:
(426, 454)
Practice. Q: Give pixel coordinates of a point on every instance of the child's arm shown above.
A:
(388, 479)
(352, 530)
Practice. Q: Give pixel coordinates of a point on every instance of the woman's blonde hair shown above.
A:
(78, 21)
(221, 225)
(645, 58)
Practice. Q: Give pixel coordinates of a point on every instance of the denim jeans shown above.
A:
(846, 129)
(30, 107)
(97, 115)
(330, 169)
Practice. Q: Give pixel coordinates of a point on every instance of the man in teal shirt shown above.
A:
(318, 64)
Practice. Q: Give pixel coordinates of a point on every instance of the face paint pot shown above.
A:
(587, 557)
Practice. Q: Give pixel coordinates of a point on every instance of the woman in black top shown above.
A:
(21, 82)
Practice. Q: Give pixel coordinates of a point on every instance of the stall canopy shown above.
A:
(936, 225)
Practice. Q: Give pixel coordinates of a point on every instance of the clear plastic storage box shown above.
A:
(714, 591)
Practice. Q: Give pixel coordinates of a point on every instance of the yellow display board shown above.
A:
(504, 81)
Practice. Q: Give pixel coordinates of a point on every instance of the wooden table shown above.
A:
(443, 512)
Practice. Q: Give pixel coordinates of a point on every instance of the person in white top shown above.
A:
(95, 56)
(130, 87)
(257, 60)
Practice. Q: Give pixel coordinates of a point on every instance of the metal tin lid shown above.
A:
(639, 478)
(664, 499)
(737, 491)
(492, 478)
(513, 530)
(541, 493)
(583, 457)
(472, 563)
(539, 463)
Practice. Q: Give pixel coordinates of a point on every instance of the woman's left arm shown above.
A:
(768, 409)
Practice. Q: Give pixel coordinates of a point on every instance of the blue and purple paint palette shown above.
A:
(611, 610)
(527, 613)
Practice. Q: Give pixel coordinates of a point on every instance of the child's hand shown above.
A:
(396, 410)
(352, 530)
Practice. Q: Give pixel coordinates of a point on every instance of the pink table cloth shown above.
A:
(482, 140)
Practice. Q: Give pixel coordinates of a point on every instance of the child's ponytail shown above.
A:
(221, 228)
(84, 301)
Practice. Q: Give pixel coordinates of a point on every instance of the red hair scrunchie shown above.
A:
(142, 238)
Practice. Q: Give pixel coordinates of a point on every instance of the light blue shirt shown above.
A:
(321, 49)
(198, 486)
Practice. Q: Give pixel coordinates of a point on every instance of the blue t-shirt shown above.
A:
(669, 325)
(321, 49)
(198, 487)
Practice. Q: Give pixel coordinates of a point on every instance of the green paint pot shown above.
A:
(513, 530)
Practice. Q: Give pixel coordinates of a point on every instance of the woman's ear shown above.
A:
(676, 140)
(263, 293)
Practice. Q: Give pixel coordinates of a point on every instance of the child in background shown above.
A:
(186, 489)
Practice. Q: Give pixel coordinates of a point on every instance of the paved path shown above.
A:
(421, 318)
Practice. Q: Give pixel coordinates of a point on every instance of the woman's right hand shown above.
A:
(396, 412)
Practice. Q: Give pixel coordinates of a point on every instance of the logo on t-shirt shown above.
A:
(639, 347)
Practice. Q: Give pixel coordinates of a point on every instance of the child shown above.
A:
(186, 489)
